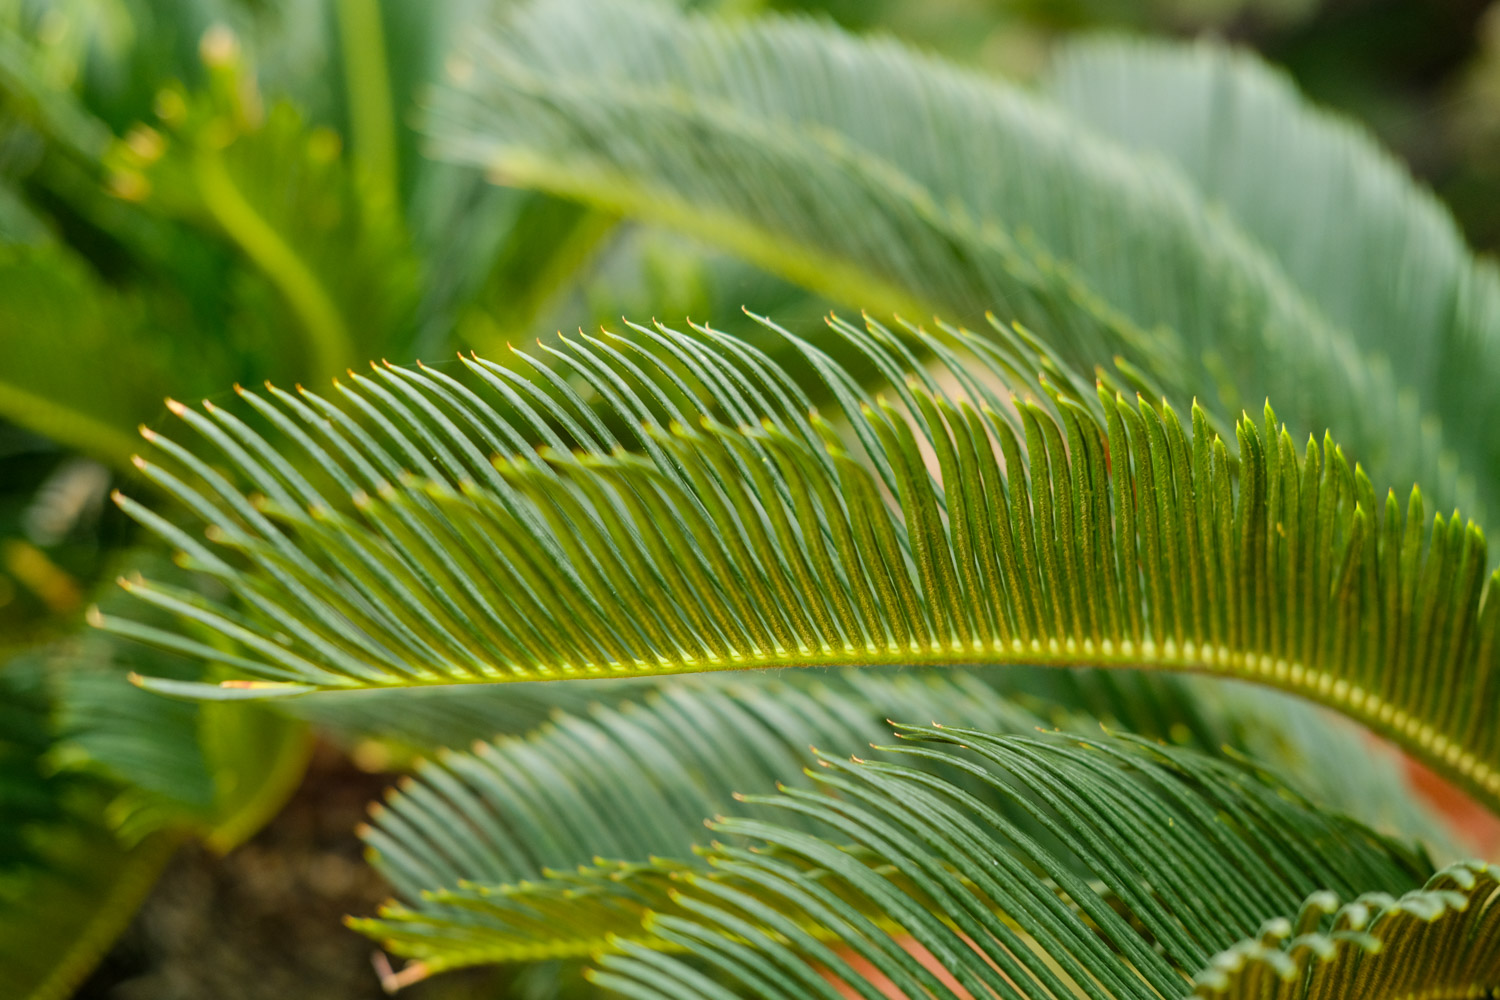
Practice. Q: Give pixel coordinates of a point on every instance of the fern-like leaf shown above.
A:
(1395, 270)
(1149, 860)
(548, 844)
(735, 531)
(543, 846)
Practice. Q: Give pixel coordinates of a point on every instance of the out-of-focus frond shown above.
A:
(894, 182)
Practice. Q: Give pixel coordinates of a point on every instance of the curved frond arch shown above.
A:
(695, 514)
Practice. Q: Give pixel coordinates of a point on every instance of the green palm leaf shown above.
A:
(894, 182)
(733, 531)
(1154, 860)
(544, 846)
(1328, 759)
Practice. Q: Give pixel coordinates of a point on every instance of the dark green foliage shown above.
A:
(67, 882)
(1442, 940)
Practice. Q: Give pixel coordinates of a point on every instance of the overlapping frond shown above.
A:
(545, 845)
(636, 781)
(735, 530)
(1329, 759)
(894, 182)
(1151, 858)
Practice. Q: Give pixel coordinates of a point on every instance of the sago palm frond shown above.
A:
(1325, 758)
(544, 846)
(1151, 862)
(1380, 255)
(733, 530)
(895, 182)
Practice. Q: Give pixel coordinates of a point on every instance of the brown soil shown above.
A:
(264, 922)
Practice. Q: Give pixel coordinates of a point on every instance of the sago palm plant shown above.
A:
(971, 541)
(704, 516)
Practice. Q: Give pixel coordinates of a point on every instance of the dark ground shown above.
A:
(264, 922)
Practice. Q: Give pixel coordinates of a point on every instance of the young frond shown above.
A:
(1440, 941)
(549, 844)
(1144, 864)
(737, 529)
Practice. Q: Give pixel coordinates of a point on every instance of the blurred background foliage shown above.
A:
(198, 193)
